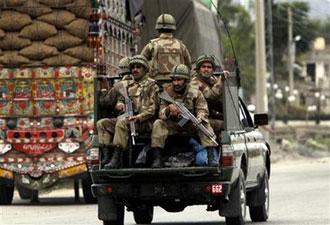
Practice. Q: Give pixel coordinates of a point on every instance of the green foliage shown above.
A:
(242, 33)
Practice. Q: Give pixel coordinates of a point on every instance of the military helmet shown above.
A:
(180, 71)
(124, 66)
(165, 21)
(205, 58)
(139, 59)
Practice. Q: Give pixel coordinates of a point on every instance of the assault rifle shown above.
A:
(129, 112)
(186, 116)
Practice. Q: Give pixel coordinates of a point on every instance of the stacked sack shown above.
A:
(52, 32)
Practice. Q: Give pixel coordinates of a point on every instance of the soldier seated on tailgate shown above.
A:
(211, 87)
(164, 52)
(181, 91)
(108, 99)
(143, 92)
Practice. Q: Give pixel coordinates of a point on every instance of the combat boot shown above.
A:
(211, 161)
(105, 155)
(115, 159)
(157, 163)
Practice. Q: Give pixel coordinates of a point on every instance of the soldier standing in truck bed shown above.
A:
(166, 51)
(180, 90)
(108, 100)
(144, 94)
(211, 87)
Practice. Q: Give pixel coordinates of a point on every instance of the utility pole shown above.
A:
(290, 51)
(271, 61)
(261, 92)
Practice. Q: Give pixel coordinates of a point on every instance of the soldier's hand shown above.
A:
(174, 111)
(120, 107)
(134, 118)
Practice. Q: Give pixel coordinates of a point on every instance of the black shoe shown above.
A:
(115, 160)
(105, 155)
(157, 163)
(211, 161)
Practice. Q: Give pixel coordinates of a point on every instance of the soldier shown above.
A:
(211, 87)
(108, 100)
(166, 51)
(143, 92)
(180, 90)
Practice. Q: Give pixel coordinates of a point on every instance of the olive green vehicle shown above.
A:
(240, 180)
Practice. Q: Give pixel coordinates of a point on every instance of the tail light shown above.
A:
(93, 156)
(227, 157)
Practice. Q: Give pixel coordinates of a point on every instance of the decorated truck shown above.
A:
(47, 74)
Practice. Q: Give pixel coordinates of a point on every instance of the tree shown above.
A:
(242, 34)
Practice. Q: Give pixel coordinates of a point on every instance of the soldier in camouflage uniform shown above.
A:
(211, 87)
(180, 90)
(143, 92)
(166, 51)
(108, 99)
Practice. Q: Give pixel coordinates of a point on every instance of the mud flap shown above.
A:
(230, 208)
(107, 209)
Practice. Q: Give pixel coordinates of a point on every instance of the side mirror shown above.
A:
(261, 119)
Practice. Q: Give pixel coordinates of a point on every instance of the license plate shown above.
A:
(72, 171)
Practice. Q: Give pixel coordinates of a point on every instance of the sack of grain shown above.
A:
(38, 51)
(61, 60)
(12, 58)
(63, 40)
(2, 34)
(11, 3)
(33, 8)
(79, 28)
(58, 18)
(81, 8)
(38, 31)
(56, 3)
(12, 41)
(13, 21)
(81, 52)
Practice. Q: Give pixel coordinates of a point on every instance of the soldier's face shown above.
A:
(179, 84)
(138, 71)
(206, 69)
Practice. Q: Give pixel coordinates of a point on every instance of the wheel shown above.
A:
(260, 213)
(240, 219)
(6, 194)
(120, 215)
(143, 214)
(23, 192)
(86, 184)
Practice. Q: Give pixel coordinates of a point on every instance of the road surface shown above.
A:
(299, 196)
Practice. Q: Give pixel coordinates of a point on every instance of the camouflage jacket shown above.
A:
(212, 92)
(193, 100)
(144, 94)
(110, 97)
(164, 53)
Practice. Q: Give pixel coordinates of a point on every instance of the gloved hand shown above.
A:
(174, 111)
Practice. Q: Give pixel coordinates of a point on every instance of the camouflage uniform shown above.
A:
(212, 91)
(194, 101)
(166, 51)
(144, 96)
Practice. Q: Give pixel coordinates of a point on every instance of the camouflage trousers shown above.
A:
(122, 131)
(105, 130)
(162, 128)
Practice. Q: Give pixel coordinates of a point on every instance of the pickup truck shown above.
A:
(240, 180)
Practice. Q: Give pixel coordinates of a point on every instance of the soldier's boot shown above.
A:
(157, 162)
(115, 159)
(105, 155)
(211, 161)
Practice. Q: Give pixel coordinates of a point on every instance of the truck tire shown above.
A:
(143, 214)
(260, 213)
(23, 192)
(6, 194)
(120, 216)
(240, 219)
(86, 184)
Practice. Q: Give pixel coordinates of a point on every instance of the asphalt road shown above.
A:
(299, 196)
